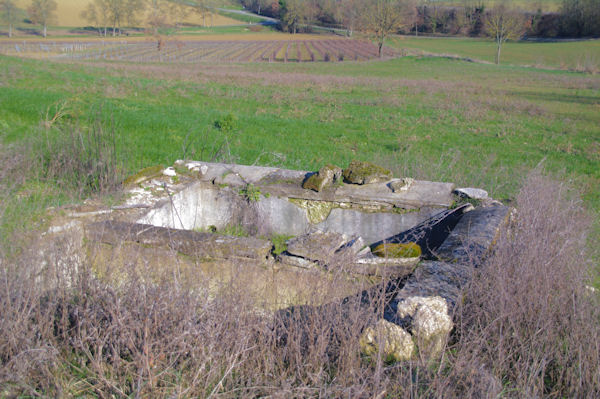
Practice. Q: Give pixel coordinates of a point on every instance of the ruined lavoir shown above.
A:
(425, 236)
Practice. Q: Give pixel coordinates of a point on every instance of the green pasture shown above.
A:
(431, 118)
(563, 54)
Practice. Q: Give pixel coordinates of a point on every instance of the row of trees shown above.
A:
(576, 18)
(40, 12)
(109, 16)
(381, 18)
(112, 15)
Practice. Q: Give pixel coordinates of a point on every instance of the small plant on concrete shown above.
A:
(251, 193)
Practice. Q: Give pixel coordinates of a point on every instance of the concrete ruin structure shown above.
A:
(178, 219)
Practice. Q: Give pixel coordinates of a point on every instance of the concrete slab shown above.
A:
(473, 235)
(191, 243)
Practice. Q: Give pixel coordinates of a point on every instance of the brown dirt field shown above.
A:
(259, 36)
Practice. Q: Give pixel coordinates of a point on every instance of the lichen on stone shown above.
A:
(393, 341)
(366, 173)
(326, 176)
(431, 322)
(317, 211)
(315, 182)
(392, 250)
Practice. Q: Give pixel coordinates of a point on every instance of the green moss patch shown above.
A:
(409, 250)
(143, 175)
(366, 173)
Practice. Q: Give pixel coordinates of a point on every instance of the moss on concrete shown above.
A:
(143, 175)
(317, 211)
(389, 250)
(366, 173)
(315, 182)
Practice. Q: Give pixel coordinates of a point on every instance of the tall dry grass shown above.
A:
(530, 317)
(528, 326)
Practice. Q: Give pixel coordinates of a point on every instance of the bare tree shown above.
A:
(158, 11)
(293, 13)
(178, 11)
(9, 14)
(133, 10)
(98, 14)
(503, 23)
(350, 14)
(202, 8)
(41, 12)
(382, 17)
(434, 14)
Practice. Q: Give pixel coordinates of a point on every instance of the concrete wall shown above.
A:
(204, 204)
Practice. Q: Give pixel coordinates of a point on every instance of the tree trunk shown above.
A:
(498, 52)
(45, 31)
(381, 49)
(9, 30)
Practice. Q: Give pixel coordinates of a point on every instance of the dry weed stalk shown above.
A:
(528, 328)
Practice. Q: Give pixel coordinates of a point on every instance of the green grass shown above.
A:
(251, 19)
(563, 55)
(432, 118)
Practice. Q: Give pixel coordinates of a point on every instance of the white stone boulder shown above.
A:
(431, 322)
(395, 343)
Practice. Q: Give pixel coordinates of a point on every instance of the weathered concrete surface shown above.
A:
(288, 183)
(473, 193)
(202, 204)
(431, 322)
(431, 233)
(191, 243)
(473, 235)
(317, 246)
(423, 302)
(372, 226)
(420, 194)
(401, 185)
(268, 286)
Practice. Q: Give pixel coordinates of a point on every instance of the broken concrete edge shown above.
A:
(187, 242)
(279, 182)
(395, 194)
(423, 303)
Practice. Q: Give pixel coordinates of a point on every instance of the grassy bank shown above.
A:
(574, 55)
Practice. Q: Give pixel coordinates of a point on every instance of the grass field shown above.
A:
(421, 116)
(563, 55)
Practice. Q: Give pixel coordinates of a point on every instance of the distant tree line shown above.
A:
(576, 18)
